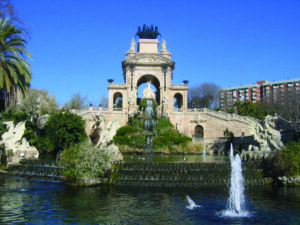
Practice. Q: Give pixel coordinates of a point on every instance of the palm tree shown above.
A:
(15, 72)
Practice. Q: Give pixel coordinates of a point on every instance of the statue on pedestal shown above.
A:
(148, 92)
(148, 32)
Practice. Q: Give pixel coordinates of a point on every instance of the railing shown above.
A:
(223, 114)
(178, 110)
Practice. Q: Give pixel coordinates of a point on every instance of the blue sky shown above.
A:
(77, 45)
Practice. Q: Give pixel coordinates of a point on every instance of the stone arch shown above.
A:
(178, 102)
(198, 132)
(117, 97)
(154, 81)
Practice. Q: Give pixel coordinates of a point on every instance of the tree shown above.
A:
(103, 102)
(30, 105)
(15, 71)
(77, 102)
(204, 95)
(38, 102)
(257, 110)
(290, 107)
(7, 10)
(65, 130)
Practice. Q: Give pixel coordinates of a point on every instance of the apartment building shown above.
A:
(263, 91)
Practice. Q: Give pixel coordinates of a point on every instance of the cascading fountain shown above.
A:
(235, 205)
(149, 125)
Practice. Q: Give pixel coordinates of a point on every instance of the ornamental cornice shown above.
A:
(148, 59)
(117, 86)
(178, 87)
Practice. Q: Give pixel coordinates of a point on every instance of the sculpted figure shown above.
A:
(131, 100)
(148, 32)
(165, 100)
(164, 45)
(148, 92)
(132, 48)
(267, 136)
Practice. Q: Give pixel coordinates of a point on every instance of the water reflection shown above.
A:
(35, 202)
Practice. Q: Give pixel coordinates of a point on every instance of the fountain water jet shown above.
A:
(231, 152)
(204, 153)
(235, 205)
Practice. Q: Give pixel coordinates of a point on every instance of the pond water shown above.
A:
(38, 202)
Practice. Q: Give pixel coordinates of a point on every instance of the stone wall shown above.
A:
(214, 123)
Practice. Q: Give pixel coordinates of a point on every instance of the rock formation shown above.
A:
(17, 147)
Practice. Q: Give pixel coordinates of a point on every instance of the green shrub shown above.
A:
(287, 161)
(130, 135)
(31, 132)
(15, 116)
(168, 136)
(163, 124)
(84, 160)
(64, 130)
(134, 134)
(126, 130)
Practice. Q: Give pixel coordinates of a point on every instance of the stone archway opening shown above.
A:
(199, 132)
(178, 102)
(118, 101)
(142, 84)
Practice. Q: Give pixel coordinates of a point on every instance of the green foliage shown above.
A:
(65, 130)
(30, 104)
(31, 133)
(143, 104)
(134, 134)
(257, 110)
(167, 136)
(77, 102)
(228, 134)
(230, 110)
(15, 70)
(38, 102)
(203, 95)
(130, 135)
(15, 116)
(84, 160)
(126, 130)
(3, 129)
(287, 161)
(163, 124)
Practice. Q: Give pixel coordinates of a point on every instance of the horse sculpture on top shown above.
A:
(148, 32)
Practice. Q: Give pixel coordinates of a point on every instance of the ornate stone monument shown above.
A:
(147, 63)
